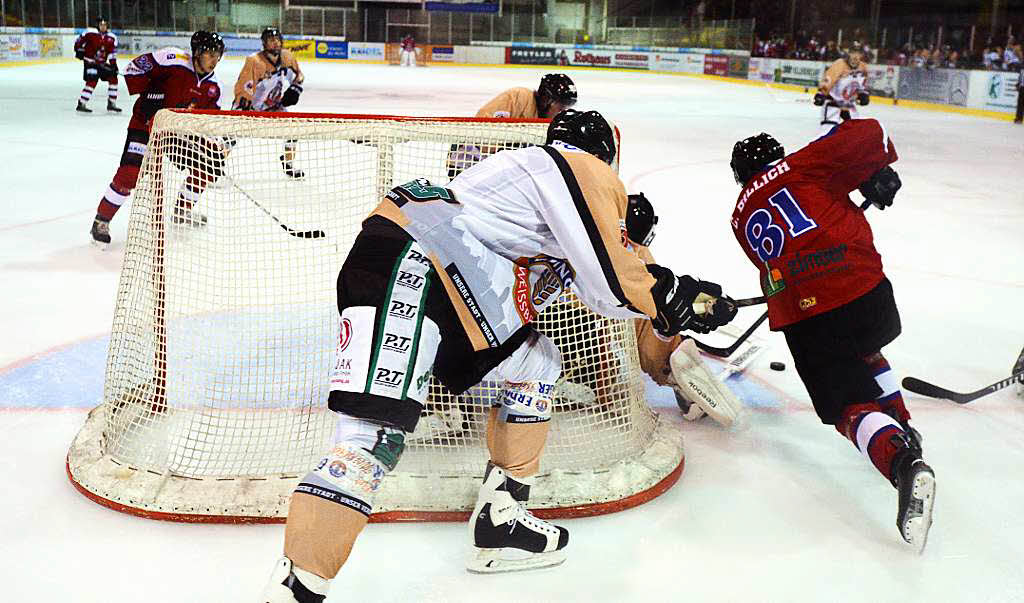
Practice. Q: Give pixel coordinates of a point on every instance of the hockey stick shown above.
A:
(749, 301)
(302, 234)
(726, 352)
(934, 391)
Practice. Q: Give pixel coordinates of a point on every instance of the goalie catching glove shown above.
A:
(291, 95)
(680, 299)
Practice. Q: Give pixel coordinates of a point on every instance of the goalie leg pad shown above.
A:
(351, 472)
(697, 385)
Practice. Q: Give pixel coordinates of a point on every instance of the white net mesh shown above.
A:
(224, 333)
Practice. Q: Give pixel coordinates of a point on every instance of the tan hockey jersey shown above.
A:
(843, 82)
(512, 232)
(515, 103)
(258, 68)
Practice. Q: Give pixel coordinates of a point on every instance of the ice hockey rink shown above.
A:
(782, 509)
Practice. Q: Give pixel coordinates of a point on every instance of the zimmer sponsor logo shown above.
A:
(810, 262)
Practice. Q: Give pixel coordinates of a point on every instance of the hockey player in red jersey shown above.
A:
(828, 295)
(97, 49)
(168, 78)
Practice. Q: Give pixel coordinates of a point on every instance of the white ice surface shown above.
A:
(784, 510)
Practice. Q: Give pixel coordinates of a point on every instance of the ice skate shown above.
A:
(290, 170)
(915, 481)
(507, 537)
(183, 216)
(81, 108)
(289, 584)
(100, 232)
(112, 107)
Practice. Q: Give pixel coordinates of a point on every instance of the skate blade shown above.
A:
(915, 529)
(497, 561)
(100, 245)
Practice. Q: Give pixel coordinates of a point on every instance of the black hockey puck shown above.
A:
(777, 366)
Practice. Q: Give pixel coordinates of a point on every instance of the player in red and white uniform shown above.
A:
(408, 51)
(827, 293)
(97, 49)
(845, 82)
(168, 78)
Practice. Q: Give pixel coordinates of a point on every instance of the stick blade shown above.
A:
(924, 388)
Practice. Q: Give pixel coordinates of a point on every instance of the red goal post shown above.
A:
(215, 392)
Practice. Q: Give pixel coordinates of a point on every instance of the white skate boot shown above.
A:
(506, 537)
(290, 584)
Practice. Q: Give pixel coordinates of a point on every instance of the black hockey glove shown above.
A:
(106, 71)
(863, 98)
(819, 98)
(291, 95)
(674, 297)
(80, 55)
(880, 189)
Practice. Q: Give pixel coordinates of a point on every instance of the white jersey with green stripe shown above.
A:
(519, 227)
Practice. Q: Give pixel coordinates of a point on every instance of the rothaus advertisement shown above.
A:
(946, 86)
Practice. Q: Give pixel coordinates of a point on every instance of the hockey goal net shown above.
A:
(214, 402)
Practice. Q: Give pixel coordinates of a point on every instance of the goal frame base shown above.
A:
(98, 477)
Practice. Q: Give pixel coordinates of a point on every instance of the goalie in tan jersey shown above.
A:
(555, 94)
(843, 84)
(271, 80)
(429, 287)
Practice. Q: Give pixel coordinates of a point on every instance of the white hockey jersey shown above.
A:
(845, 83)
(510, 233)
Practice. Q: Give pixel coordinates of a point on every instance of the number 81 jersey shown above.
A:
(796, 222)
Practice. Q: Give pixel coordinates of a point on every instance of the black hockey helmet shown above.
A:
(559, 88)
(100, 19)
(587, 131)
(751, 155)
(640, 220)
(207, 40)
(554, 88)
(270, 32)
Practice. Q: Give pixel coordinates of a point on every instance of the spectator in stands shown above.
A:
(993, 58)
(831, 52)
(952, 60)
(1020, 97)
(1011, 56)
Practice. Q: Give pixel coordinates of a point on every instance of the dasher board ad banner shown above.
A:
(530, 56)
(608, 58)
(948, 86)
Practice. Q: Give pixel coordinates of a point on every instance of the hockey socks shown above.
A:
(891, 400)
(875, 434)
